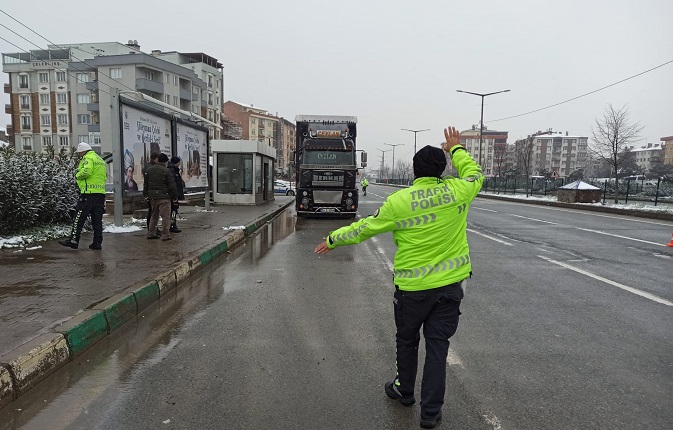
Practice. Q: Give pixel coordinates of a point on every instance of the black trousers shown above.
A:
(89, 204)
(437, 311)
(174, 214)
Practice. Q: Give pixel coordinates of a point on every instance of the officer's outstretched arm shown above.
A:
(382, 221)
(469, 172)
(84, 170)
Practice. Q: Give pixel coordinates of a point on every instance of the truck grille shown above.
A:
(327, 197)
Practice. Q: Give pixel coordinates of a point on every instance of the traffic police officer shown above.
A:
(364, 183)
(429, 222)
(91, 177)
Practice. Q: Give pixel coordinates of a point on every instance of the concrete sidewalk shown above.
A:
(55, 302)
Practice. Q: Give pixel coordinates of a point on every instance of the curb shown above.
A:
(26, 366)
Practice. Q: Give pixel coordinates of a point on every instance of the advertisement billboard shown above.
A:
(192, 149)
(142, 134)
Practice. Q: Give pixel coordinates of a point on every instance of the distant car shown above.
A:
(283, 187)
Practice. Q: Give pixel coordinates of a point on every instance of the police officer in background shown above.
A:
(91, 177)
(429, 222)
(364, 184)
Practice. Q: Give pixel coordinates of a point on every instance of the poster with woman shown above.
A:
(192, 149)
(142, 134)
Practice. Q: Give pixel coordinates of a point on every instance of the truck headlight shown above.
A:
(350, 194)
(305, 193)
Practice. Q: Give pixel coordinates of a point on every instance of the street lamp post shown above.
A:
(481, 122)
(397, 144)
(415, 132)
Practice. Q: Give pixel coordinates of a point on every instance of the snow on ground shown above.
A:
(122, 229)
(25, 239)
(234, 227)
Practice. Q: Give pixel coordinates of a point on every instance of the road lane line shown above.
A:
(483, 209)
(608, 281)
(489, 237)
(534, 219)
(619, 236)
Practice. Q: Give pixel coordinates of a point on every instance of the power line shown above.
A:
(583, 95)
(36, 58)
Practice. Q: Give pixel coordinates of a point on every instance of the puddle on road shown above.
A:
(109, 368)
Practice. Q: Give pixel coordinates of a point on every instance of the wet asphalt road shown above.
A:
(277, 338)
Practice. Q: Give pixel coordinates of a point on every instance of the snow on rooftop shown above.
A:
(578, 185)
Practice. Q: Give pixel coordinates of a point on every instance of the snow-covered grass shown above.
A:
(636, 205)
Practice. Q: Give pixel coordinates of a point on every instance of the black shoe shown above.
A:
(95, 246)
(393, 393)
(69, 244)
(158, 233)
(153, 236)
(431, 423)
(175, 230)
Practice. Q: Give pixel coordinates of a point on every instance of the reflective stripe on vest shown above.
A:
(417, 272)
(413, 221)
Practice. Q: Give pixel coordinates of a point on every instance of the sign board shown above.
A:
(142, 134)
(554, 174)
(192, 149)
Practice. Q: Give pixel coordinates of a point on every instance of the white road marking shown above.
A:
(489, 237)
(611, 282)
(662, 256)
(619, 236)
(382, 253)
(483, 209)
(534, 219)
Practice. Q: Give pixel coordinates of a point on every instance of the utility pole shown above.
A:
(383, 163)
(117, 151)
(397, 144)
(415, 132)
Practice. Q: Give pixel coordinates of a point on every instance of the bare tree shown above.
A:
(500, 155)
(404, 169)
(524, 155)
(612, 135)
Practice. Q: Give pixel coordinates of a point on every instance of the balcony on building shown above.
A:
(25, 106)
(91, 85)
(8, 108)
(94, 128)
(149, 85)
(185, 94)
(93, 107)
(195, 97)
(8, 88)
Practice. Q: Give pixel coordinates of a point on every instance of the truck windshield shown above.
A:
(327, 157)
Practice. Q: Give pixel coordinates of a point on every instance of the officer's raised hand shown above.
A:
(452, 137)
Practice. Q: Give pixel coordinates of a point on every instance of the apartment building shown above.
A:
(494, 143)
(288, 133)
(667, 144)
(61, 96)
(559, 153)
(646, 156)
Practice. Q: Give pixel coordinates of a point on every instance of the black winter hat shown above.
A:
(175, 160)
(429, 162)
(163, 158)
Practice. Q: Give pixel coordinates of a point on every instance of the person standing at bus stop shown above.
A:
(428, 221)
(161, 190)
(91, 177)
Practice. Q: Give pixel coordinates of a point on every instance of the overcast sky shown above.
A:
(397, 64)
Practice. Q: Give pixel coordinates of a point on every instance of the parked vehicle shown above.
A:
(283, 187)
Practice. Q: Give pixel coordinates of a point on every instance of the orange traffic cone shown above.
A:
(670, 244)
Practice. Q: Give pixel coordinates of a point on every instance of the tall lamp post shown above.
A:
(397, 144)
(481, 122)
(415, 132)
(383, 163)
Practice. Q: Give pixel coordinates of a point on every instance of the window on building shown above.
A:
(62, 98)
(94, 138)
(45, 119)
(60, 77)
(167, 76)
(43, 76)
(176, 101)
(84, 98)
(23, 81)
(210, 98)
(149, 75)
(234, 173)
(210, 81)
(62, 119)
(45, 99)
(167, 98)
(64, 140)
(116, 73)
(175, 80)
(24, 101)
(83, 119)
(82, 78)
(25, 122)
(46, 140)
(27, 143)
(83, 138)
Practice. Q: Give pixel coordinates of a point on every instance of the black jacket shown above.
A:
(159, 183)
(178, 180)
